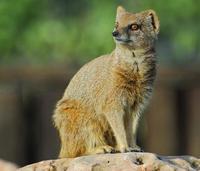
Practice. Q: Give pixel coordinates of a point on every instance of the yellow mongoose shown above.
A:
(101, 107)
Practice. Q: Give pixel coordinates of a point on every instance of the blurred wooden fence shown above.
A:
(28, 95)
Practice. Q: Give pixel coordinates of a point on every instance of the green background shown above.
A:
(54, 31)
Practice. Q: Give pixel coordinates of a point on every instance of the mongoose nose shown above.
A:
(115, 33)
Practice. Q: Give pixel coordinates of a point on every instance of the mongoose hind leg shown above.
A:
(82, 132)
(70, 119)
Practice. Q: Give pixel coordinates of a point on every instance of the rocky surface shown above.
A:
(118, 162)
(7, 166)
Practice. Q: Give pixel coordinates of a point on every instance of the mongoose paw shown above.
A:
(103, 149)
(131, 149)
(134, 149)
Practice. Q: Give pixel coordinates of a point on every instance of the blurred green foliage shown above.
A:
(47, 31)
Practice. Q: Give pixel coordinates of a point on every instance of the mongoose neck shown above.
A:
(122, 50)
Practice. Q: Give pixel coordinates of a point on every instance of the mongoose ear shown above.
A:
(120, 11)
(153, 18)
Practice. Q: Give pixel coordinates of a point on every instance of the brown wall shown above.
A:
(28, 95)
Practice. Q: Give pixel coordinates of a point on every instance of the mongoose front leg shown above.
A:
(116, 121)
(131, 128)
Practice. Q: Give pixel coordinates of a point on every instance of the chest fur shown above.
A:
(135, 80)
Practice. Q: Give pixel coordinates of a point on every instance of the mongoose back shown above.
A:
(101, 107)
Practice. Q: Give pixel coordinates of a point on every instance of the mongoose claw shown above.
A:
(113, 150)
(108, 149)
(103, 149)
(134, 149)
(137, 150)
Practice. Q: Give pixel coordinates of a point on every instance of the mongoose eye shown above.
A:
(134, 27)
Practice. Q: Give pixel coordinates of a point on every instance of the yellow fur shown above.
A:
(101, 107)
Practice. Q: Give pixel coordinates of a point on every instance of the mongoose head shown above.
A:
(138, 30)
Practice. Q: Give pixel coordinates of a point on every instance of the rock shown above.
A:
(118, 162)
(7, 166)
